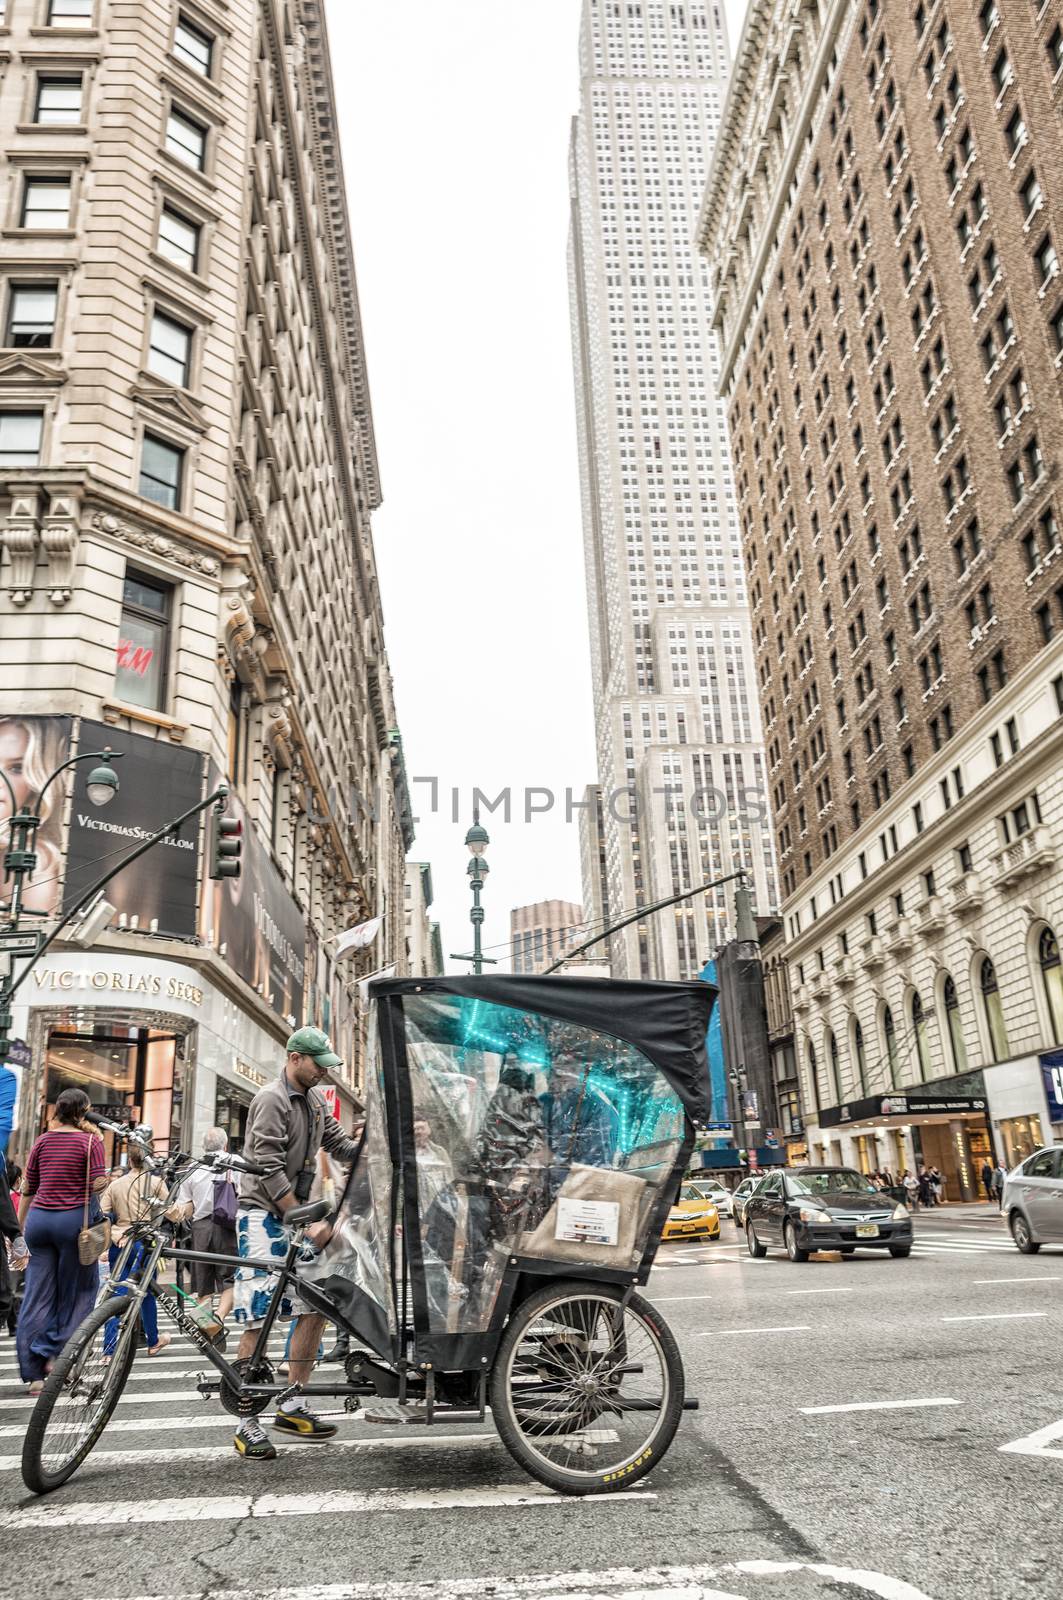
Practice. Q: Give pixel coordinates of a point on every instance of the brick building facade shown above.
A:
(881, 221)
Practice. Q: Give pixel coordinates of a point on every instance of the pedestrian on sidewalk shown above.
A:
(937, 1184)
(12, 1263)
(999, 1175)
(65, 1171)
(127, 1199)
(208, 1201)
(287, 1124)
(987, 1179)
(926, 1193)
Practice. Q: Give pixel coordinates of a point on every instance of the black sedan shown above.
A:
(824, 1208)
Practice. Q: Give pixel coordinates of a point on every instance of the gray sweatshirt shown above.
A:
(285, 1131)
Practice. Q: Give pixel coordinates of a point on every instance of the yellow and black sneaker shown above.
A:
(250, 1441)
(303, 1424)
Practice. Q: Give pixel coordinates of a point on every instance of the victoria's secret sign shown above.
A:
(65, 979)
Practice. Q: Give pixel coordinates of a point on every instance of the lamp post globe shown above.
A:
(476, 839)
(101, 785)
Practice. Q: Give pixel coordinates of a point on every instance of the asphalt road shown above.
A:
(867, 1427)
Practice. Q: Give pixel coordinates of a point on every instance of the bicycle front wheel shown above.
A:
(586, 1390)
(80, 1395)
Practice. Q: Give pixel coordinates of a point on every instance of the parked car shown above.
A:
(740, 1197)
(1033, 1200)
(824, 1208)
(692, 1217)
(712, 1190)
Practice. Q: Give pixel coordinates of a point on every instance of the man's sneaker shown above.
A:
(303, 1424)
(250, 1441)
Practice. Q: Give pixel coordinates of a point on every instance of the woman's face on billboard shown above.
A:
(13, 743)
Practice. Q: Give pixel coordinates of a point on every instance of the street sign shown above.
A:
(20, 941)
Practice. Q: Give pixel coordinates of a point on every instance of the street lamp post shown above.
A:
(20, 858)
(477, 841)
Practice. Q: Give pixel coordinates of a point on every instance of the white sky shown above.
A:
(454, 119)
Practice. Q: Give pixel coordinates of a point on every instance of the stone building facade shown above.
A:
(541, 933)
(881, 224)
(188, 477)
(424, 946)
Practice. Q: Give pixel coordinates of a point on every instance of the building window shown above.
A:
(955, 1025)
(170, 349)
(889, 1035)
(919, 1035)
(186, 139)
(143, 642)
(860, 1057)
(20, 438)
(193, 46)
(70, 13)
(994, 1013)
(58, 102)
(834, 1086)
(179, 239)
(46, 203)
(161, 472)
(1052, 978)
(31, 315)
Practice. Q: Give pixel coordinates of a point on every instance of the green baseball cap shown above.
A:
(312, 1042)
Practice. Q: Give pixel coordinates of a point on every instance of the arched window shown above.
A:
(1052, 978)
(919, 1033)
(889, 1034)
(835, 1078)
(860, 1057)
(994, 1012)
(955, 1024)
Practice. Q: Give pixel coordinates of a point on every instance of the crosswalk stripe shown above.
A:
(388, 1440)
(206, 1419)
(334, 1502)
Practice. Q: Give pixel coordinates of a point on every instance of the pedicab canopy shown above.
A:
(510, 1118)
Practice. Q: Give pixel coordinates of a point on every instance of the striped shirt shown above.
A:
(55, 1169)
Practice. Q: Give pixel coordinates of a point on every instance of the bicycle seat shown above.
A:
(303, 1216)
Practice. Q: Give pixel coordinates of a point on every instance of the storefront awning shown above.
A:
(897, 1110)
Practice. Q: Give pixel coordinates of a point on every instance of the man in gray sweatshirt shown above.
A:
(287, 1124)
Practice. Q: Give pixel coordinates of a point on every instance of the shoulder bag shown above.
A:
(94, 1240)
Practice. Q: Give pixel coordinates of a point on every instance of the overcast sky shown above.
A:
(454, 118)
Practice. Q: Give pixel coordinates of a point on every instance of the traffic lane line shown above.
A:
(876, 1405)
(657, 1583)
(1015, 1280)
(998, 1316)
(1039, 1443)
(472, 1442)
(332, 1503)
(711, 1333)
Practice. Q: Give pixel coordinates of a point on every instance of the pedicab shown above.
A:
(524, 1140)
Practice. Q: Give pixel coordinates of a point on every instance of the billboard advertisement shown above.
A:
(255, 924)
(31, 748)
(157, 780)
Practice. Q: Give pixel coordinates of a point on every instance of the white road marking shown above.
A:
(876, 1405)
(838, 1290)
(1037, 1444)
(676, 1299)
(619, 1583)
(386, 1441)
(332, 1502)
(1014, 1280)
(997, 1316)
(204, 1419)
(155, 1398)
(712, 1332)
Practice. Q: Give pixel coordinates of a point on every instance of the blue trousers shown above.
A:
(149, 1311)
(59, 1291)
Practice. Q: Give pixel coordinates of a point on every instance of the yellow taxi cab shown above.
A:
(692, 1216)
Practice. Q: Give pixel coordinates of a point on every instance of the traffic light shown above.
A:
(226, 843)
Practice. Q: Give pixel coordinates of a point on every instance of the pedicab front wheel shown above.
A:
(586, 1390)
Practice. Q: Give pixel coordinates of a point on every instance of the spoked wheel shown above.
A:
(79, 1396)
(586, 1393)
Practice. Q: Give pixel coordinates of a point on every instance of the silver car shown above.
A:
(740, 1196)
(1033, 1200)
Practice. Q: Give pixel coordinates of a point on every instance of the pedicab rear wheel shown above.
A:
(586, 1392)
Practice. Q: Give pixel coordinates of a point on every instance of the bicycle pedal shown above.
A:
(209, 1388)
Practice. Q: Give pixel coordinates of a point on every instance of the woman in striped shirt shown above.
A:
(59, 1290)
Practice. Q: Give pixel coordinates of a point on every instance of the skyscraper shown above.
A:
(680, 762)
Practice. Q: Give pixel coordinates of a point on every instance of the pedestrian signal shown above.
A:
(226, 844)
